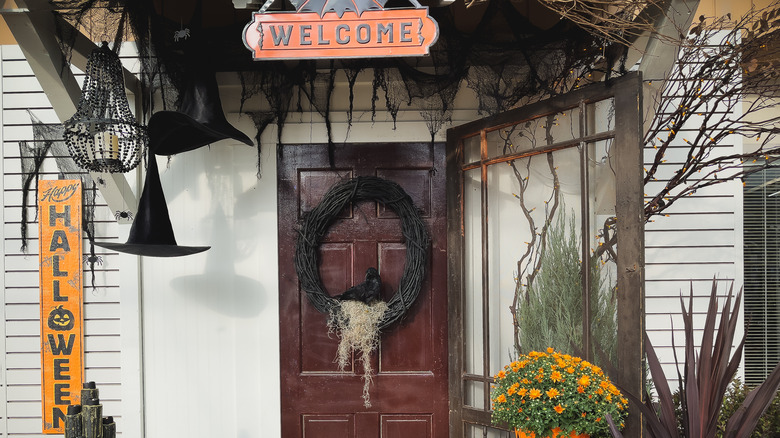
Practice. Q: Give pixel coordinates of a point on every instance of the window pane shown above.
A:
(534, 233)
(762, 276)
(534, 134)
(476, 431)
(475, 394)
(603, 249)
(471, 152)
(600, 116)
(472, 311)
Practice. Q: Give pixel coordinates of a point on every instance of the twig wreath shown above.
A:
(316, 223)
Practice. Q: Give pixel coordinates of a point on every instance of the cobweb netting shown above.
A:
(505, 59)
(49, 139)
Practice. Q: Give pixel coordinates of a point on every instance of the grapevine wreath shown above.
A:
(316, 223)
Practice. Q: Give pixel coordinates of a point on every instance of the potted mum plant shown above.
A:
(549, 394)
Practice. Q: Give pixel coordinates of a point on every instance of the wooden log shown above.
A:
(73, 427)
(89, 391)
(109, 427)
(92, 418)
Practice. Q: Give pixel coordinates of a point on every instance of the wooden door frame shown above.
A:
(627, 92)
(436, 276)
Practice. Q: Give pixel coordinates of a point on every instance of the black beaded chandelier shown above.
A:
(103, 135)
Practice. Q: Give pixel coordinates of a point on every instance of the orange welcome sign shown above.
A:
(310, 35)
(59, 223)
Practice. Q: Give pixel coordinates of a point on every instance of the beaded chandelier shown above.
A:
(103, 135)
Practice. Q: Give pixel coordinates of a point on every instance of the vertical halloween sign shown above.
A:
(59, 223)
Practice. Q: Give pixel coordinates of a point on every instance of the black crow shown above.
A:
(367, 291)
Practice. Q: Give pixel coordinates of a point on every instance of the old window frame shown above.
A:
(627, 94)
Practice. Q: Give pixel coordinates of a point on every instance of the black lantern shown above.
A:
(103, 135)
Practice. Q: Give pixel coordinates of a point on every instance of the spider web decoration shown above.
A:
(514, 61)
(390, 82)
(32, 155)
(50, 138)
(319, 91)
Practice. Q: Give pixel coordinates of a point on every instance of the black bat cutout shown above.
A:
(337, 6)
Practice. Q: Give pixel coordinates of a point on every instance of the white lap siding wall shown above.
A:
(20, 344)
(698, 239)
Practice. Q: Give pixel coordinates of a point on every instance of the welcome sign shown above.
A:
(340, 29)
(59, 224)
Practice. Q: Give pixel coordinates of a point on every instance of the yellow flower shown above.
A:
(535, 393)
(584, 381)
(552, 393)
(559, 409)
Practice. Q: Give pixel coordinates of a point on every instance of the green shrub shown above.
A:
(550, 311)
(769, 424)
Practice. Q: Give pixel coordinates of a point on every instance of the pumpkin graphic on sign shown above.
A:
(61, 319)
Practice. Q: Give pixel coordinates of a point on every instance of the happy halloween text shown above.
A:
(382, 33)
(59, 214)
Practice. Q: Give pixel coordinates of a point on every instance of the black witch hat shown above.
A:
(199, 121)
(152, 233)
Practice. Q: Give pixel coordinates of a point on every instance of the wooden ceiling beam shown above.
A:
(33, 27)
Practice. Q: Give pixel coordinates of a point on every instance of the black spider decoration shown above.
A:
(123, 215)
(101, 181)
(93, 260)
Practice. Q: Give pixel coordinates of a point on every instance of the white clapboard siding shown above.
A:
(20, 386)
(699, 239)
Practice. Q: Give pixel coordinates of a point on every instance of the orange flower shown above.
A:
(556, 376)
(559, 409)
(552, 393)
(501, 398)
(501, 374)
(570, 370)
(580, 389)
(584, 381)
(535, 393)
(550, 349)
(583, 415)
(522, 391)
(512, 389)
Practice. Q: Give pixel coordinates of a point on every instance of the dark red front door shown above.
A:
(409, 394)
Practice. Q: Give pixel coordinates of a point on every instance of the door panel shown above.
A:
(409, 393)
